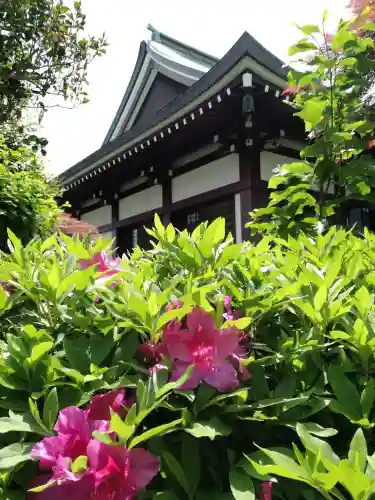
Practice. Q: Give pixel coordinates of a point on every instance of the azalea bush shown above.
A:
(329, 90)
(204, 368)
(199, 369)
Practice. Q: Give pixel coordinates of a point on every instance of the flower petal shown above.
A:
(201, 323)
(143, 468)
(176, 342)
(102, 404)
(73, 420)
(179, 368)
(80, 490)
(223, 377)
(226, 341)
(265, 492)
(48, 450)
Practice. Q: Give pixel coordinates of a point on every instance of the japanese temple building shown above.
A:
(194, 138)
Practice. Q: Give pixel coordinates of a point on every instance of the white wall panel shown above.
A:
(98, 217)
(138, 203)
(270, 161)
(216, 174)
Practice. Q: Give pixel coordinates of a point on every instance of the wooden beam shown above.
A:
(167, 200)
(115, 217)
(249, 157)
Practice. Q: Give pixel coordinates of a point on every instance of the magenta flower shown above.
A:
(57, 453)
(102, 404)
(81, 490)
(230, 315)
(265, 491)
(328, 37)
(176, 304)
(120, 473)
(106, 265)
(207, 348)
(152, 352)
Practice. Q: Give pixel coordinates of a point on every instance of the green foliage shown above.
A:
(43, 60)
(336, 168)
(27, 197)
(44, 53)
(308, 313)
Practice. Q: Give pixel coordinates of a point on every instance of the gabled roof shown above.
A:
(246, 55)
(160, 55)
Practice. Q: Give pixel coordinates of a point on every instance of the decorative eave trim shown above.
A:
(214, 95)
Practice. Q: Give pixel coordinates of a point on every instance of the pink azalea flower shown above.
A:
(81, 490)
(176, 304)
(106, 265)
(120, 473)
(237, 357)
(151, 352)
(230, 315)
(291, 90)
(57, 453)
(265, 492)
(205, 347)
(102, 404)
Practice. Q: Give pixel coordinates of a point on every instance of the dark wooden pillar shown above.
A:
(115, 218)
(249, 149)
(167, 198)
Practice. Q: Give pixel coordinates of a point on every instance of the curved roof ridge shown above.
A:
(184, 48)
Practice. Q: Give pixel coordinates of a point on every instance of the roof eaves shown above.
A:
(258, 52)
(243, 48)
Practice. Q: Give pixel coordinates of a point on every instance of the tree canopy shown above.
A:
(44, 58)
(44, 54)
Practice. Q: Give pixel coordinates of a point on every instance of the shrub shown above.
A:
(199, 369)
(27, 204)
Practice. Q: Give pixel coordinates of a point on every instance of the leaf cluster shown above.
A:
(308, 314)
(44, 54)
(337, 166)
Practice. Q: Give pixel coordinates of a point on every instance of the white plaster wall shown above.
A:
(138, 203)
(216, 174)
(98, 217)
(270, 161)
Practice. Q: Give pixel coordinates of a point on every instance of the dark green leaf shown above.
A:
(345, 392)
(51, 409)
(175, 468)
(77, 354)
(191, 462)
(160, 430)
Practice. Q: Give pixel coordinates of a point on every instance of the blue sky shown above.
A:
(210, 25)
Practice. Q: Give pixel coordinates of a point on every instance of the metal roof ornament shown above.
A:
(248, 106)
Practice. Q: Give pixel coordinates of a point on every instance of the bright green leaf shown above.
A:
(241, 484)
